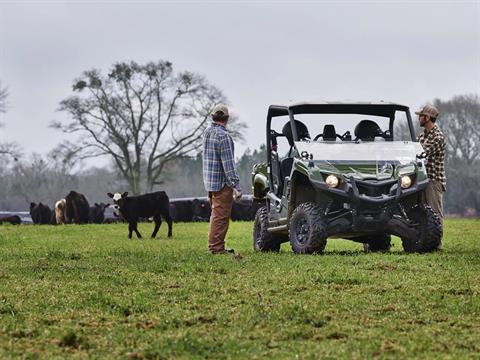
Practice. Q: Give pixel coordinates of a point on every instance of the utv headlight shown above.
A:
(405, 182)
(332, 181)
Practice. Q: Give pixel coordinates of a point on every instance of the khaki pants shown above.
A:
(434, 197)
(221, 203)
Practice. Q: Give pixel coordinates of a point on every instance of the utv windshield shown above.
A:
(354, 127)
(362, 160)
(402, 152)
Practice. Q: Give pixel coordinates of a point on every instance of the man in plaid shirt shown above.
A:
(433, 143)
(220, 178)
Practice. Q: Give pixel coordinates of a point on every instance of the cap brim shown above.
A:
(418, 112)
(212, 114)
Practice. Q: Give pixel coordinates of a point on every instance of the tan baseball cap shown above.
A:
(220, 109)
(429, 110)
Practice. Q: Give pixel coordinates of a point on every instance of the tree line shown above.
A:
(48, 178)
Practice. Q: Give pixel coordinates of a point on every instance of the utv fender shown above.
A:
(300, 167)
(260, 186)
(301, 190)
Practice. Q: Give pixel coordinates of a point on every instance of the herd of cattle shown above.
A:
(75, 209)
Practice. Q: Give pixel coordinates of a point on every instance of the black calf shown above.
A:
(131, 208)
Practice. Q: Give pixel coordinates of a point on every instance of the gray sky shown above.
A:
(258, 53)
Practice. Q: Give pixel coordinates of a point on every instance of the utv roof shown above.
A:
(380, 108)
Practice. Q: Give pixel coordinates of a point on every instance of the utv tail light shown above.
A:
(405, 182)
(332, 181)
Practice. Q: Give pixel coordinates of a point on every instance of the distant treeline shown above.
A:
(47, 180)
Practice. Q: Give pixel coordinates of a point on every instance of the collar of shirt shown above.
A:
(218, 124)
(432, 130)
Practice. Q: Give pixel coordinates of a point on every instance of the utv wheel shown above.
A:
(429, 231)
(262, 239)
(307, 230)
(377, 243)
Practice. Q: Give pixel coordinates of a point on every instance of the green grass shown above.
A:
(88, 291)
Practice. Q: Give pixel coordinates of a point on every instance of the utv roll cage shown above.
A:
(384, 109)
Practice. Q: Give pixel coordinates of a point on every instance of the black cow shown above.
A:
(12, 219)
(41, 214)
(242, 210)
(97, 213)
(181, 210)
(76, 208)
(201, 210)
(131, 208)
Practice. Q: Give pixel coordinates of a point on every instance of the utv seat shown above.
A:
(302, 131)
(329, 133)
(367, 130)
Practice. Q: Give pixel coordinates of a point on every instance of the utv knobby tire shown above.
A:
(377, 243)
(262, 239)
(429, 232)
(307, 230)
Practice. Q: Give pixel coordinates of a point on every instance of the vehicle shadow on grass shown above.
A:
(400, 253)
(344, 253)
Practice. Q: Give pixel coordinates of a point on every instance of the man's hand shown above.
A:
(237, 195)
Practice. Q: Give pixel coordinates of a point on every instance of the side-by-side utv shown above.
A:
(364, 184)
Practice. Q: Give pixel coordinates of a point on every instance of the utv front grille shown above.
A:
(374, 188)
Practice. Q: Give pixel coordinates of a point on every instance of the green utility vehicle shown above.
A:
(364, 183)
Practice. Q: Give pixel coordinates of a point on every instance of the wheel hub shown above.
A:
(302, 230)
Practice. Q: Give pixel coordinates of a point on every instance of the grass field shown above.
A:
(87, 291)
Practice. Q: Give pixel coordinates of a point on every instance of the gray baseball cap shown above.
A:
(220, 109)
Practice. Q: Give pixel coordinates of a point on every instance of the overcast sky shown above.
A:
(258, 53)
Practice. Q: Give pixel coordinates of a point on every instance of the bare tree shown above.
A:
(141, 116)
(10, 148)
(7, 148)
(460, 121)
(401, 131)
(41, 178)
(3, 99)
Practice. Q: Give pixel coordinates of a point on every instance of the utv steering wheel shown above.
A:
(316, 137)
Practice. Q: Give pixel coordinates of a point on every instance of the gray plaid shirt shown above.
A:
(434, 143)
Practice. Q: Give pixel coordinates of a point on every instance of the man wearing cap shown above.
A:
(220, 178)
(433, 143)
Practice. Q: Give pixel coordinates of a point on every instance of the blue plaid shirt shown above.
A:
(218, 159)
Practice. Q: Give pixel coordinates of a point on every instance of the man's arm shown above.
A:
(228, 162)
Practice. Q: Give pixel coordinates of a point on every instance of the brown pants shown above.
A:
(221, 203)
(434, 197)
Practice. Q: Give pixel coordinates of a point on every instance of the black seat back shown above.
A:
(329, 133)
(367, 130)
(302, 131)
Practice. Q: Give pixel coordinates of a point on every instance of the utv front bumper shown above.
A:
(363, 207)
(370, 193)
